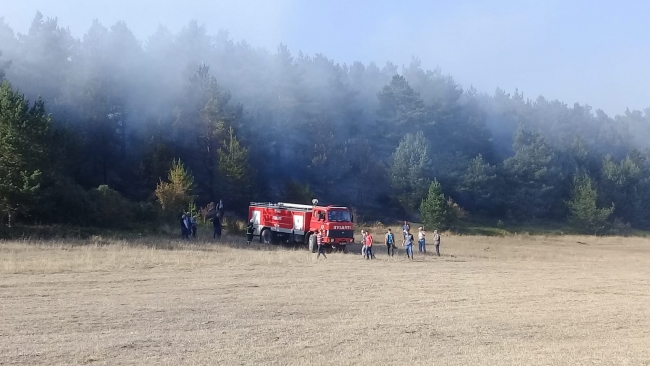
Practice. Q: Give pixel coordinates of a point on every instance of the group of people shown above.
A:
(189, 228)
(189, 223)
(408, 240)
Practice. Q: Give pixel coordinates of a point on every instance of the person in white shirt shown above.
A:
(408, 239)
(421, 242)
(363, 241)
(436, 241)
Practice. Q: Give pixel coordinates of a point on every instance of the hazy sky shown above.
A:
(595, 52)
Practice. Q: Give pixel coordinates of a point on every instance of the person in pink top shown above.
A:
(368, 244)
(319, 241)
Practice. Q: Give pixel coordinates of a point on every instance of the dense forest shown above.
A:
(90, 128)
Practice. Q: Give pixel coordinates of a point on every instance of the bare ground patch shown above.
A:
(489, 301)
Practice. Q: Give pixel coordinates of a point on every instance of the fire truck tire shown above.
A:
(313, 245)
(266, 237)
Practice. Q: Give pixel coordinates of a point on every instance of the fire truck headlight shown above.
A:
(331, 240)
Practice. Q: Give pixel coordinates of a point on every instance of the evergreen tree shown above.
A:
(583, 210)
(24, 144)
(481, 187)
(620, 184)
(202, 124)
(235, 171)
(532, 176)
(400, 108)
(409, 169)
(434, 209)
(175, 195)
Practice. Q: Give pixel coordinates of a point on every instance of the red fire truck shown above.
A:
(294, 223)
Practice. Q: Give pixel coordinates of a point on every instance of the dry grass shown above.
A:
(487, 301)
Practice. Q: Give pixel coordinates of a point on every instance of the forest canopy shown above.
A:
(98, 121)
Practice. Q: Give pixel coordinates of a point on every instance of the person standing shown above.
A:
(319, 242)
(408, 241)
(183, 230)
(436, 241)
(194, 226)
(363, 242)
(216, 224)
(220, 208)
(422, 247)
(369, 253)
(188, 225)
(390, 242)
(250, 228)
(405, 229)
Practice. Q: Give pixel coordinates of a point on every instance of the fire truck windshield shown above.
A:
(338, 216)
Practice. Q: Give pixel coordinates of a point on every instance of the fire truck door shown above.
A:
(298, 222)
(256, 222)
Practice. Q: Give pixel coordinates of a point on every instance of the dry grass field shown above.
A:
(519, 300)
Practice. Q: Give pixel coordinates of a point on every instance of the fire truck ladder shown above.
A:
(282, 205)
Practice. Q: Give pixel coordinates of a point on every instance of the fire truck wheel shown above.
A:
(313, 245)
(265, 236)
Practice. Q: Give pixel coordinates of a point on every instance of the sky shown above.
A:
(591, 52)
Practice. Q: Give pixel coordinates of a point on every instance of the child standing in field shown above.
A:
(421, 240)
(408, 241)
(319, 241)
(390, 242)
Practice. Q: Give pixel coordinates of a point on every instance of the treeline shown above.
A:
(250, 124)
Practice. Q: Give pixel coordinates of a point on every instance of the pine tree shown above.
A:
(434, 209)
(24, 134)
(234, 171)
(532, 176)
(175, 196)
(481, 186)
(409, 167)
(583, 210)
(400, 108)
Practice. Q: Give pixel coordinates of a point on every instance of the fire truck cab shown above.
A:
(296, 223)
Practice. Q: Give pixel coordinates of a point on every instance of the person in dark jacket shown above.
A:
(188, 225)
(250, 229)
(216, 223)
(194, 226)
(220, 209)
(183, 228)
(389, 239)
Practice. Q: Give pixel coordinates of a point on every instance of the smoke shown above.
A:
(132, 78)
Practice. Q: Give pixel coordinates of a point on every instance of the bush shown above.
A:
(110, 209)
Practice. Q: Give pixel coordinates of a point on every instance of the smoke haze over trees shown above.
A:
(251, 123)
